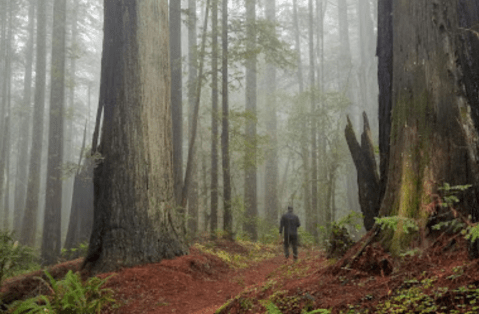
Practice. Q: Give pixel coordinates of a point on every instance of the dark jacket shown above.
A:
(290, 223)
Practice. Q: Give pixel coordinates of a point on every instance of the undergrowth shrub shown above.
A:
(15, 258)
(68, 296)
(80, 250)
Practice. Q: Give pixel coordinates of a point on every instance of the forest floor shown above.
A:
(242, 277)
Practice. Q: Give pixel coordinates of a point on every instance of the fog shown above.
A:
(298, 126)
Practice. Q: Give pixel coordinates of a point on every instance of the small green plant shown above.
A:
(393, 222)
(69, 295)
(14, 258)
(450, 198)
(273, 309)
(80, 250)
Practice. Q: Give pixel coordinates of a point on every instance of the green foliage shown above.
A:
(422, 297)
(393, 222)
(69, 296)
(450, 193)
(352, 220)
(454, 224)
(306, 239)
(273, 309)
(15, 258)
(80, 250)
(471, 233)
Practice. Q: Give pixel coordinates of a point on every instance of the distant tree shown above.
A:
(135, 220)
(29, 221)
(5, 112)
(24, 126)
(250, 185)
(176, 95)
(271, 171)
(313, 215)
(214, 118)
(228, 217)
(51, 240)
(192, 89)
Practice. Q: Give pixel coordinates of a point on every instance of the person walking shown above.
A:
(290, 223)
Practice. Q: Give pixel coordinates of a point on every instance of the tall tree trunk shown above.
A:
(21, 176)
(51, 240)
(433, 137)
(29, 221)
(225, 156)
(313, 218)
(5, 117)
(304, 131)
(271, 175)
(176, 95)
(250, 187)
(68, 152)
(140, 227)
(384, 53)
(214, 119)
(192, 86)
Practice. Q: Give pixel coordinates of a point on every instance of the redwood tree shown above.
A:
(135, 220)
(432, 127)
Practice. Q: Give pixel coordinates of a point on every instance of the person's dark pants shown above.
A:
(293, 240)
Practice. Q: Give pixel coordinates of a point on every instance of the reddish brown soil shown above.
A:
(198, 283)
(201, 283)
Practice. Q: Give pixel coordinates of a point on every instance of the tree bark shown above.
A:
(313, 215)
(366, 168)
(433, 137)
(214, 119)
(271, 166)
(193, 80)
(176, 95)
(24, 126)
(51, 239)
(5, 117)
(250, 187)
(225, 156)
(135, 220)
(29, 221)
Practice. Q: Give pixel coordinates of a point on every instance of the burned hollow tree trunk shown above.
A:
(368, 178)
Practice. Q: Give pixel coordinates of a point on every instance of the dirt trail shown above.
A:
(198, 283)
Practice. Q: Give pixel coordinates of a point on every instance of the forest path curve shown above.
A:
(198, 283)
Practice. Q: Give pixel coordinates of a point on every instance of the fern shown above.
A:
(69, 295)
(392, 222)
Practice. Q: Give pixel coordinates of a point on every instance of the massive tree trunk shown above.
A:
(271, 172)
(176, 96)
(135, 220)
(51, 239)
(384, 53)
(29, 221)
(250, 187)
(434, 120)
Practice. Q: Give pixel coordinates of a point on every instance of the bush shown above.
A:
(15, 258)
(70, 295)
